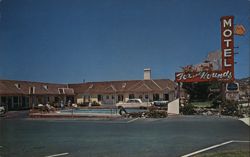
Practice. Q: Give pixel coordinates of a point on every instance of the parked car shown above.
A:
(2, 110)
(133, 103)
(160, 103)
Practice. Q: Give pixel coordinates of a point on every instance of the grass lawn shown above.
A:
(202, 104)
(235, 153)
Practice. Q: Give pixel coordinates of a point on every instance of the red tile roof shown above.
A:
(10, 87)
(124, 86)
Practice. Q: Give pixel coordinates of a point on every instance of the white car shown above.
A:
(160, 103)
(2, 110)
(133, 103)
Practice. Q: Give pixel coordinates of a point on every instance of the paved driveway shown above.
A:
(173, 136)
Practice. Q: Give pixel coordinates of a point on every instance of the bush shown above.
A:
(216, 101)
(84, 104)
(95, 104)
(156, 114)
(187, 109)
(230, 108)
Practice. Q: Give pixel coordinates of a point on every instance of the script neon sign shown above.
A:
(227, 47)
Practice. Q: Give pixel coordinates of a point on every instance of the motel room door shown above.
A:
(120, 97)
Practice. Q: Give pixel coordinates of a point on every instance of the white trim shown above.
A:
(33, 90)
(62, 154)
(156, 84)
(46, 87)
(144, 86)
(136, 84)
(18, 86)
(63, 92)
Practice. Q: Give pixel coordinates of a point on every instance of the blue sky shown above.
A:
(66, 41)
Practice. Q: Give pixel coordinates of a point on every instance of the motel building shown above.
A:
(18, 95)
(111, 92)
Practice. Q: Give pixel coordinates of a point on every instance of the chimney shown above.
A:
(147, 74)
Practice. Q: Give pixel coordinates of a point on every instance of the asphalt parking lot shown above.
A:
(172, 136)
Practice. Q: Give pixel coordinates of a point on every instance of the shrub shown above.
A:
(187, 109)
(216, 101)
(230, 108)
(95, 104)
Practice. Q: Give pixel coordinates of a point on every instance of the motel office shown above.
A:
(111, 92)
(25, 94)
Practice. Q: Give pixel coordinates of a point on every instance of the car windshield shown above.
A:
(129, 101)
(137, 101)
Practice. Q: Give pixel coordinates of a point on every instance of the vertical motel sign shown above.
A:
(227, 44)
(226, 74)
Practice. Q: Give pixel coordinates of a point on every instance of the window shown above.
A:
(130, 101)
(166, 97)
(15, 99)
(24, 101)
(15, 102)
(156, 97)
(140, 96)
(113, 97)
(146, 96)
(136, 101)
(131, 96)
(99, 97)
(107, 97)
(3, 100)
(120, 98)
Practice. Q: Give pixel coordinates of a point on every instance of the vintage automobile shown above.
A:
(2, 110)
(160, 103)
(133, 103)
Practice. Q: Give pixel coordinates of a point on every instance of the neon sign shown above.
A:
(226, 73)
(227, 44)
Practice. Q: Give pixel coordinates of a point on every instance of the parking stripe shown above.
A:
(206, 149)
(237, 141)
(132, 120)
(155, 119)
(62, 154)
(215, 146)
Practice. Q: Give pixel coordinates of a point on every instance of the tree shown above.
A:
(200, 91)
